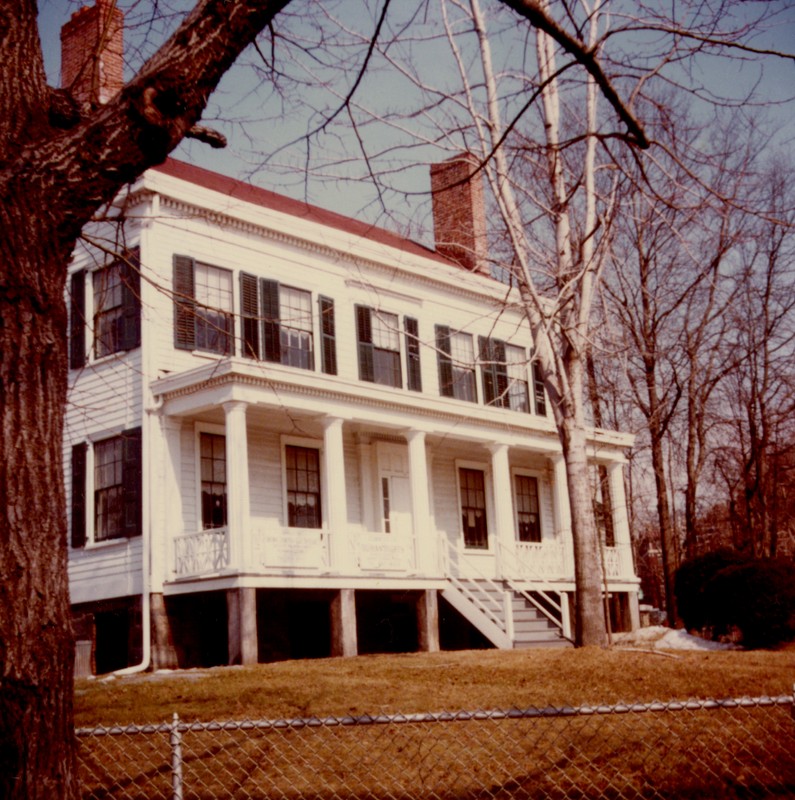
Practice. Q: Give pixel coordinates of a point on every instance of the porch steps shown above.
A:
(532, 629)
(482, 604)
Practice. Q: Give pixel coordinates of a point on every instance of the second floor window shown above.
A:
(516, 366)
(378, 339)
(456, 359)
(203, 307)
(116, 309)
(295, 329)
(504, 369)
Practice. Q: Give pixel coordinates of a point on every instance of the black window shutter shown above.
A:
(364, 336)
(538, 391)
(271, 336)
(184, 304)
(79, 494)
(445, 363)
(414, 376)
(488, 371)
(77, 320)
(500, 373)
(130, 337)
(131, 481)
(249, 310)
(328, 345)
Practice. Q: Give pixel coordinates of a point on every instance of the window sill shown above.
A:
(106, 359)
(106, 544)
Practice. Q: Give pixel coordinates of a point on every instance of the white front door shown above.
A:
(396, 504)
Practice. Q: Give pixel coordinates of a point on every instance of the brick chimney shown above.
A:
(92, 53)
(459, 212)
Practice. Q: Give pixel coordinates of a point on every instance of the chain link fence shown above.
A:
(734, 748)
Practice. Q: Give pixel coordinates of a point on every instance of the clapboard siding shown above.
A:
(105, 571)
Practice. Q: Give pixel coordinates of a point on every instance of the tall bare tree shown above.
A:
(759, 392)
(61, 162)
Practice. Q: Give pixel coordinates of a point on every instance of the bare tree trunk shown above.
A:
(36, 756)
(58, 166)
(590, 624)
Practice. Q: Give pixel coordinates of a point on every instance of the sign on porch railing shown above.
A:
(384, 551)
(290, 548)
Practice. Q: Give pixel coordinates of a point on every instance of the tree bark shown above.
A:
(56, 171)
(36, 648)
(590, 626)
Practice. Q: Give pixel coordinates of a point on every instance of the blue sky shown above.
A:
(254, 120)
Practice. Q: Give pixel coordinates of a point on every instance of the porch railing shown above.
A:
(201, 552)
(618, 562)
(541, 594)
(270, 547)
(539, 560)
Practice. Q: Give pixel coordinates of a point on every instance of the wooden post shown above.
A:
(343, 624)
(428, 621)
(241, 611)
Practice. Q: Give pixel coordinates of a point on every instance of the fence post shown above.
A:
(176, 759)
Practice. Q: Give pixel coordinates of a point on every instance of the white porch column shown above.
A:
(503, 505)
(366, 485)
(334, 478)
(560, 497)
(237, 493)
(621, 533)
(615, 473)
(170, 491)
(425, 540)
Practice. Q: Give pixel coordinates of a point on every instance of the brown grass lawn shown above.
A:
(420, 682)
(730, 754)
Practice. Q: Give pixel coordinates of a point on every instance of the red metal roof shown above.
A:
(263, 197)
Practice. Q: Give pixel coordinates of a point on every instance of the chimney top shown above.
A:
(92, 53)
(459, 212)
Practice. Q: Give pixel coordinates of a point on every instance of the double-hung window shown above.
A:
(378, 338)
(295, 330)
(472, 492)
(504, 370)
(302, 478)
(212, 460)
(528, 515)
(115, 486)
(117, 306)
(456, 361)
(203, 307)
(116, 309)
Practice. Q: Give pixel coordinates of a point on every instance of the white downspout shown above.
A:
(150, 420)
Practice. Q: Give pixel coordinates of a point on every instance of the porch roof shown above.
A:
(211, 385)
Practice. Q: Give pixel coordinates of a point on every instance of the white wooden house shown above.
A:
(292, 434)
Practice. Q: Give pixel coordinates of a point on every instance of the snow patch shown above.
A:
(662, 638)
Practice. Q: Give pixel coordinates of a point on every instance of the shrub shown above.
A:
(690, 585)
(758, 598)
